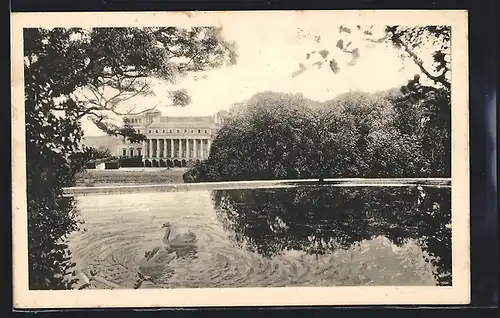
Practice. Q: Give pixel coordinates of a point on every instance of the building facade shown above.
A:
(171, 141)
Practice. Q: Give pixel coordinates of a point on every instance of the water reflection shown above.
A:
(326, 219)
(303, 236)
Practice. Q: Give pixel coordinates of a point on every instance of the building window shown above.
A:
(170, 131)
(138, 131)
(149, 131)
(192, 131)
(163, 130)
(156, 131)
(199, 131)
(178, 131)
(185, 131)
(206, 131)
(131, 152)
(124, 152)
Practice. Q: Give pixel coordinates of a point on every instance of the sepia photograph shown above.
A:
(240, 158)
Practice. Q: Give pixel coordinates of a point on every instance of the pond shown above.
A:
(303, 236)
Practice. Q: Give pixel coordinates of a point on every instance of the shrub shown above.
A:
(196, 173)
(112, 165)
(131, 162)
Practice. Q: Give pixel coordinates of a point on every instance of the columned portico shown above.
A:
(176, 149)
(170, 140)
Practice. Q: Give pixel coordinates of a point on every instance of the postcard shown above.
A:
(271, 158)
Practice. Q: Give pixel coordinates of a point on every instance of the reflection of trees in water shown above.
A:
(318, 220)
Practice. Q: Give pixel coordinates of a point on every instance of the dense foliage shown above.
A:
(398, 133)
(135, 161)
(280, 136)
(66, 74)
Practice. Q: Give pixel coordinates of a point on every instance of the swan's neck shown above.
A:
(167, 232)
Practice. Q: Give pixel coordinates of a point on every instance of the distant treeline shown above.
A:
(398, 133)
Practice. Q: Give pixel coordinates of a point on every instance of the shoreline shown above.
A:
(115, 188)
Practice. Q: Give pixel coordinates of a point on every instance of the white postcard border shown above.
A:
(458, 293)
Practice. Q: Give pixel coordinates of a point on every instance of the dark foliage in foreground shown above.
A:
(65, 73)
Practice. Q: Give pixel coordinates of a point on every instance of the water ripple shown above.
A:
(120, 229)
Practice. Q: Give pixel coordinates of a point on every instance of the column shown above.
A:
(143, 152)
(165, 148)
(171, 147)
(152, 148)
(150, 154)
(184, 145)
(187, 148)
(195, 148)
(208, 146)
(180, 148)
(202, 143)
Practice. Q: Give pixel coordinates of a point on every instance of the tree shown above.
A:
(424, 101)
(66, 73)
(280, 136)
(423, 117)
(103, 67)
(262, 139)
(427, 46)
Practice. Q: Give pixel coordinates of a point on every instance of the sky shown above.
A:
(268, 54)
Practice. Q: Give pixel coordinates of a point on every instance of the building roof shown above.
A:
(190, 119)
(184, 122)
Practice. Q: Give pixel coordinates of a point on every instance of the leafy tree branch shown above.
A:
(59, 65)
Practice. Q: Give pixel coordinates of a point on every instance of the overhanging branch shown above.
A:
(438, 79)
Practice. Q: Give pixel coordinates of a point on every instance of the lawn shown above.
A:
(128, 176)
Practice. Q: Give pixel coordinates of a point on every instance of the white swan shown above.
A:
(155, 260)
(187, 238)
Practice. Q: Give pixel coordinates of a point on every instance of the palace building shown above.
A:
(171, 141)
